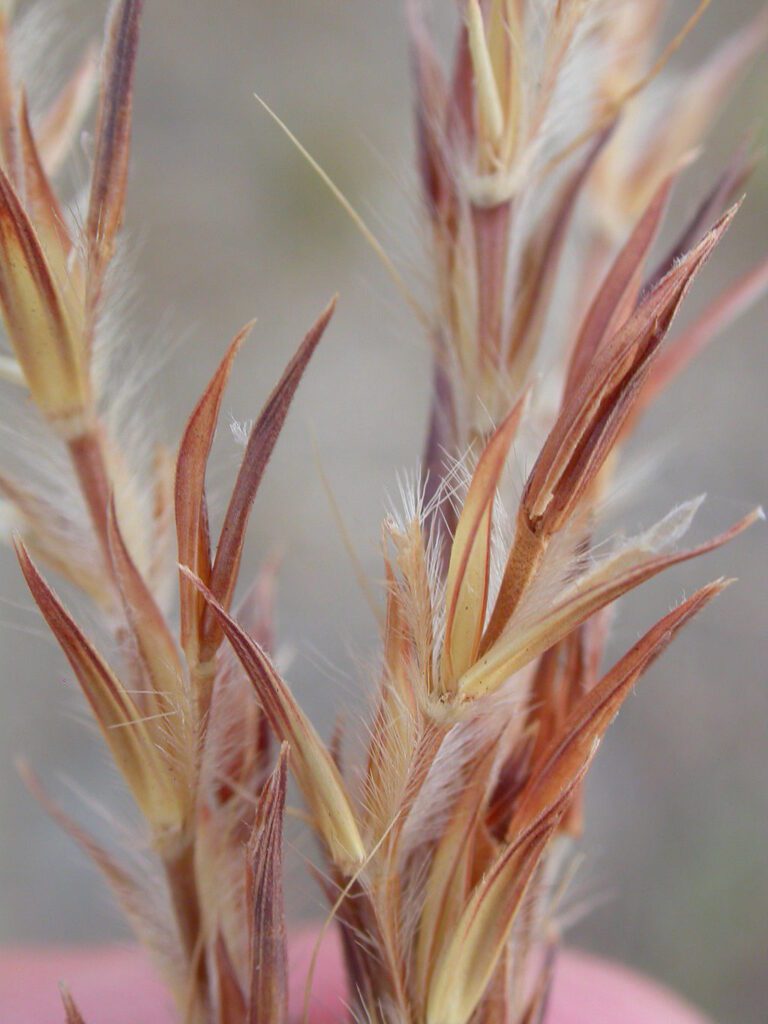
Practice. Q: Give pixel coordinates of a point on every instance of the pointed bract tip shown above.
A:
(73, 1015)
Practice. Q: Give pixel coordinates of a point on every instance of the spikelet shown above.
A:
(445, 850)
(135, 742)
(315, 771)
(268, 994)
(469, 568)
(43, 328)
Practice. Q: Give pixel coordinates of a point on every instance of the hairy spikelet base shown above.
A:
(545, 177)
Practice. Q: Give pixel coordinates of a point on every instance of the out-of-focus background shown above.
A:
(229, 223)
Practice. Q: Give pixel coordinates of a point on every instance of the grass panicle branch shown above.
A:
(445, 849)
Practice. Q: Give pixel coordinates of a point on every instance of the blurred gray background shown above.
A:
(228, 223)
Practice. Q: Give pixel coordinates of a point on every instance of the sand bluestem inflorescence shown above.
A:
(541, 166)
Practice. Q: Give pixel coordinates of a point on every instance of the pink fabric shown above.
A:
(115, 985)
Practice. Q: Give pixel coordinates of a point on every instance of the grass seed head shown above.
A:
(443, 863)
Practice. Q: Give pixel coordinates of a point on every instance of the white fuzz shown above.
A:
(240, 430)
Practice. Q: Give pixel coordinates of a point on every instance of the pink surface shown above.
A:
(115, 985)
